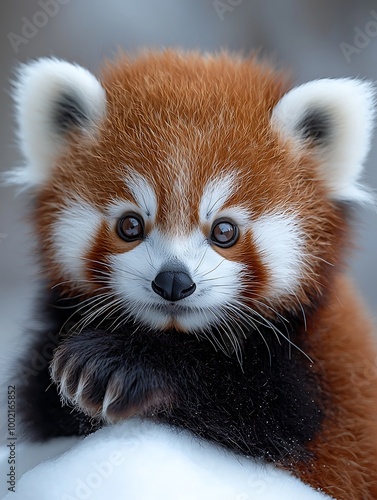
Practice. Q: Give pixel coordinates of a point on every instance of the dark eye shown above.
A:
(224, 233)
(131, 227)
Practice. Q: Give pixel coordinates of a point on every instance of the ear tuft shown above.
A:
(315, 126)
(53, 98)
(69, 113)
(333, 117)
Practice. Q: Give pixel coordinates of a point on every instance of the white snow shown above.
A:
(140, 460)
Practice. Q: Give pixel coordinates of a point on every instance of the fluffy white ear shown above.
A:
(335, 117)
(52, 97)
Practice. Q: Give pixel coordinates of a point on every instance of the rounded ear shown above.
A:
(335, 118)
(53, 98)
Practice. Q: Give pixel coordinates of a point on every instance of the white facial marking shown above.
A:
(215, 194)
(73, 234)
(239, 215)
(280, 242)
(142, 192)
(118, 208)
(217, 281)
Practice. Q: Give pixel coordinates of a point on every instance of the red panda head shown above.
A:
(183, 191)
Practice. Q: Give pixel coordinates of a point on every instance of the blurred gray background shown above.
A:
(318, 38)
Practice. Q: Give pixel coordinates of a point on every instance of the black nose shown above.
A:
(173, 285)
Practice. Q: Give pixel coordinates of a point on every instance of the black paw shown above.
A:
(99, 376)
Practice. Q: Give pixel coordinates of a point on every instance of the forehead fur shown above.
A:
(179, 121)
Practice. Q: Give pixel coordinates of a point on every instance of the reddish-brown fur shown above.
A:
(343, 349)
(169, 113)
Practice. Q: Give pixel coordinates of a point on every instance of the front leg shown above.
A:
(40, 413)
(97, 374)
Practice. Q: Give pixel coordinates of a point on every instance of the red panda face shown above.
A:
(185, 192)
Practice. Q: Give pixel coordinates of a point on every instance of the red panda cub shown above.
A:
(192, 215)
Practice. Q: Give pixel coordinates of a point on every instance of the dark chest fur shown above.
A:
(269, 405)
